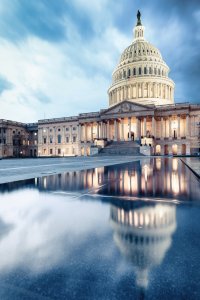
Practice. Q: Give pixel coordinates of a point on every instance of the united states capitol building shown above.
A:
(142, 116)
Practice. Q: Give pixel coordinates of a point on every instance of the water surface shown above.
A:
(122, 232)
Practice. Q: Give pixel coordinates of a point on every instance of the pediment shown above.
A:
(126, 107)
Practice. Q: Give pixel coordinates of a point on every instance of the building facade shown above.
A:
(141, 112)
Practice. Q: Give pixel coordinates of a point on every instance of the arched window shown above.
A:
(129, 72)
(162, 73)
(155, 71)
(124, 74)
(150, 70)
(140, 71)
(134, 71)
(145, 70)
(159, 72)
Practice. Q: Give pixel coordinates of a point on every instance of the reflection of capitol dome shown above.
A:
(143, 236)
(141, 75)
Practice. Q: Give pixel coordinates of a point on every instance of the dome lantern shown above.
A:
(138, 30)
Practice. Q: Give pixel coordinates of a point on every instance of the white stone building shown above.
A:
(142, 115)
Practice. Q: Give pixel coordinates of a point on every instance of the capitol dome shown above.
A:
(141, 75)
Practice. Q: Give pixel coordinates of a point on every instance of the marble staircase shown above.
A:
(121, 148)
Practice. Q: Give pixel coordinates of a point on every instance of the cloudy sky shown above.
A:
(57, 56)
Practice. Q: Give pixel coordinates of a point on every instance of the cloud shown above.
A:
(4, 84)
(58, 56)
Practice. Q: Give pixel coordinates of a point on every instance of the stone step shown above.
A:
(121, 148)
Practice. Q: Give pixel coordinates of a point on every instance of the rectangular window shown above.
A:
(45, 140)
(35, 142)
(74, 128)
(67, 129)
(51, 151)
(59, 151)
(74, 139)
(51, 140)
(59, 139)
(4, 131)
(4, 141)
(67, 139)
(0, 141)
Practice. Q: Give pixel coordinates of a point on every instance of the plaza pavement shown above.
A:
(20, 169)
(193, 163)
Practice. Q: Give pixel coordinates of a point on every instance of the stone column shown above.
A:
(115, 128)
(162, 128)
(71, 139)
(101, 130)
(122, 129)
(145, 127)
(178, 129)
(97, 130)
(129, 128)
(148, 90)
(91, 132)
(153, 126)
(187, 126)
(79, 132)
(108, 130)
(170, 127)
(138, 129)
(85, 133)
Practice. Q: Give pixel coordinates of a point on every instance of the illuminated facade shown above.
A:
(142, 116)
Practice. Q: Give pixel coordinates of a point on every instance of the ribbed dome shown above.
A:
(140, 51)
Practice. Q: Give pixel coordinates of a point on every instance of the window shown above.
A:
(13, 131)
(59, 139)
(67, 139)
(51, 140)
(145, 70)
(124, 74)
(59, 129)
(74, 139)
(44, 151)
(51, 151)
(0, 141)
(35, 142)
(4, 141)
(67, 129)
(150, 70)
(4, 131)
(50, 129)
(74, 128)
(0, 130)
(140, 71)
(134, 71)
(59, 151)
(45, 140)
(129, 72)
(155, 71)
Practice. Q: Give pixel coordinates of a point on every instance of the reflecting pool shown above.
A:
(129, 231)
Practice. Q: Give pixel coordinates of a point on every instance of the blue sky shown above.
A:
(57, 56)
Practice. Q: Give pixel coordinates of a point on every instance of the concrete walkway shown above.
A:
(193, 163)
(20, 169)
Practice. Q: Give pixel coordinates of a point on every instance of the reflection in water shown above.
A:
(63, 248)
(143, 235)
(148, 177)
